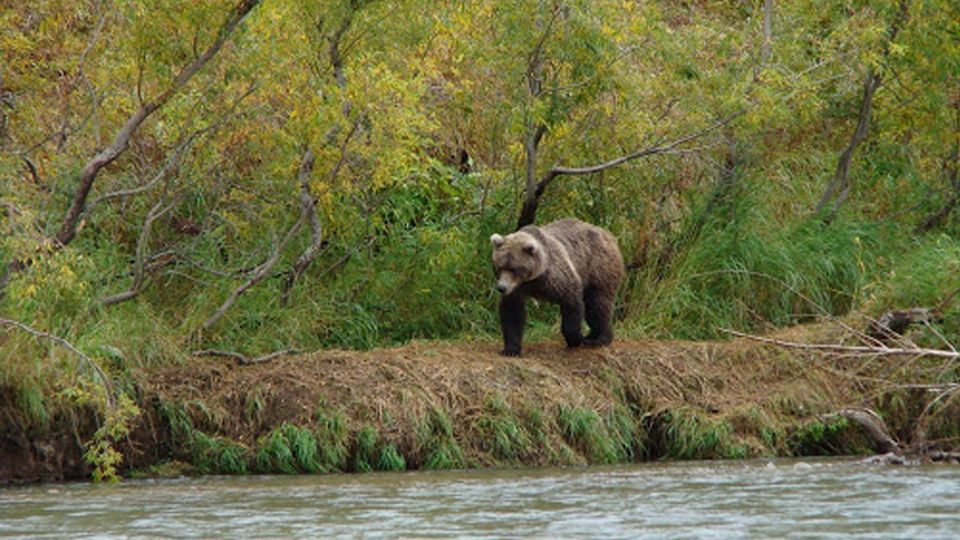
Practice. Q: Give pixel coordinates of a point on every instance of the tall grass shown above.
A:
(744, 275)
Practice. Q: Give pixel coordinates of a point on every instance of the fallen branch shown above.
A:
(866, 350)
(243, 359)
(69, 346)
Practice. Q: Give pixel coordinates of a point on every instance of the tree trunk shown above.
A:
(839, 187)
(766, 50)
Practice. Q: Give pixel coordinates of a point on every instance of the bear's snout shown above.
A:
(501, 288)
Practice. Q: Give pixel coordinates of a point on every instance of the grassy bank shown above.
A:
(435, 405)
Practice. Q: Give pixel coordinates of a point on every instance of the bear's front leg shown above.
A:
(571, 322)
(513, 316)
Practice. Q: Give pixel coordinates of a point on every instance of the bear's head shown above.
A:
(517, 258)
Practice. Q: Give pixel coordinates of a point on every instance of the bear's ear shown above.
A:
(530, 248)
(496, 240)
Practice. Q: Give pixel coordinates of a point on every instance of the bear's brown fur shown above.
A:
(568, 262)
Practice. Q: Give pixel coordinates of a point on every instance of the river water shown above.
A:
(732, 499)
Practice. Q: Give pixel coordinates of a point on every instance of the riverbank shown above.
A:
(434, 405)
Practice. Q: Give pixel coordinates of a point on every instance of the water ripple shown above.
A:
(760, 499)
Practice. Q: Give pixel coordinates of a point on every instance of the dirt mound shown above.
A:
(396, 391)
(441, 404)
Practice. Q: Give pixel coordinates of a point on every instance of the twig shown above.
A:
(827, 347)
(69, 346)
(243, 359)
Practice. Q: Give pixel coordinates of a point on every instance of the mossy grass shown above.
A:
(390, 459)
(829, 436)
(274, 455)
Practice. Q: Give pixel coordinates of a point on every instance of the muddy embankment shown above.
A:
(444, 405)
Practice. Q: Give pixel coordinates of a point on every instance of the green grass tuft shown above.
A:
(583, 428)
(502, 433)
(333, 440)
(274, 454)
(829, 437)
(689, 434)
(365, 446)
(389, 459)
(437, 444)
(218, 455)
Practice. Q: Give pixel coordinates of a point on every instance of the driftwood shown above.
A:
(893, 324)
(873, 428)
(243, 359)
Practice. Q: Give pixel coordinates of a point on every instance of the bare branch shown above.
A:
(559, 171)
(766, 50)
(34, 173)
(528, 213)
(101, 7)
(840, 181)
(308, 209)
(173, 161)
(850, 349)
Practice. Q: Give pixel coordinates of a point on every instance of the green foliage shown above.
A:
(419, 120)
(371, 454)
(365, 444)
(114, 426)
(390, 459)
(288, 449)
(924, 275)
(736, 276)
(31, 400)
(274, 454)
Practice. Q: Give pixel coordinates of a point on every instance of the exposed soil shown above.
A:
(395, 389)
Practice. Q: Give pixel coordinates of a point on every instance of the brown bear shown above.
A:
(568, 262)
